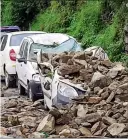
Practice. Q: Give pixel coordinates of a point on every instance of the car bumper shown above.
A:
(36, 87)
(11, 68)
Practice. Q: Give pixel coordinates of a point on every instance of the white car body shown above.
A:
(27, 72)
(8, 52)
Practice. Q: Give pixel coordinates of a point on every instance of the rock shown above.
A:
(79, 120)
(37, 103)
(115, 70)
(65, 133)
(93, 117)
(94, 100)
(108, 120)
(13, 119)
(81, 62)
(102, 69)
(55, 112)
(11, 104)
(123, 135)
(105, 95)
(100, 80)
(38, 135)
(124, 86)
(96, 90)
(86, 124)
(66, 69)
(95, 127)
(47, 124)
(85, 132)
(106, 63)
(79, 55)
(110, 98)
(115, 129)
(74, 132)
(82, 111)
(3, 131)
(64, 119)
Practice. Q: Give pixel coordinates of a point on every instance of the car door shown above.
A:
(25, 65)
(19, 65)
(2, 49)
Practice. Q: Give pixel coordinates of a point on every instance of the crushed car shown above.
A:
(57, 75)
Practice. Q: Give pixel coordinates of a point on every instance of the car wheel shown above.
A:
(8, 81)
(45, 105)
(21, 89)
(30, 93)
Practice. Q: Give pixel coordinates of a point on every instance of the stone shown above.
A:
(123, 135)
(65, 133)
(124, 86)
(116, 128)
(65, 69)
(93, 117)
(100, 80)
(11, 104)
(94, 100)
(3, 131)
(110, 98)
(79, 55)
(106, 63)
(55, 112)
(115, 70)
(95, 127)
(82, 111)
(84, 131)
(86, 124)
(108, 120)
(13, 119)
(105, 95)
(74, 132)
(79, 120)
(47, 124)
(96, 90)
(81, 62)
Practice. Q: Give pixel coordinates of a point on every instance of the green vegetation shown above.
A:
(98, 22)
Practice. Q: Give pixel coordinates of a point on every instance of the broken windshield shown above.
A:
(69, 45)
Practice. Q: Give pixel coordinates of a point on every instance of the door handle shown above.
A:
(21, 65)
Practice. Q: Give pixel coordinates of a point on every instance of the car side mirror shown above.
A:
(22, 60)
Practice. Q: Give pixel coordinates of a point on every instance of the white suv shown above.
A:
(10, 44)
(26, 63)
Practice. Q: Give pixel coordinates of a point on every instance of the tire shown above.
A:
(9, 81)
(30, 93)
(45, 105)
(21, 89)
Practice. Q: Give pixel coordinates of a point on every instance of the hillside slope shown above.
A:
(90, 22)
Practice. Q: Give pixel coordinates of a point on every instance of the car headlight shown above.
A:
(36, 77)
(66, 90)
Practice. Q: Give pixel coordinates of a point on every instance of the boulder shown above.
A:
(108, 120)
(116, 128)
(82, 111)
(100, 80)
(84, 131)
(47, 124)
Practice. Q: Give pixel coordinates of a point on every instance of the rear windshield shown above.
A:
(9, 30)
(16, 39)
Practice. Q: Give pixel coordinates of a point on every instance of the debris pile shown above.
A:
(101, 112)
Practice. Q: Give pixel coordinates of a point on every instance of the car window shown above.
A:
(25, 50)
(17, 39)
(22, 48)
(3, 42)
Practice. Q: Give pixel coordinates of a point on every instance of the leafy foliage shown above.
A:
(91, 22)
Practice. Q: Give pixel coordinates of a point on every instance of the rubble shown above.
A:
(101, 112)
